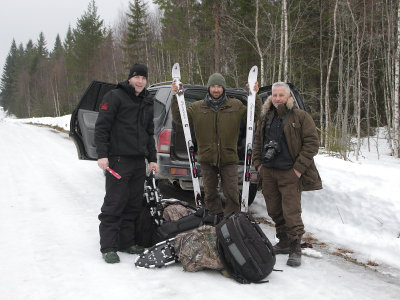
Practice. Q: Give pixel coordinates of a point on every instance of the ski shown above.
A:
(176, 77)
(251, 101)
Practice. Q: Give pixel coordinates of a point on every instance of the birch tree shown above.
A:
(396, 131)
(328, 76)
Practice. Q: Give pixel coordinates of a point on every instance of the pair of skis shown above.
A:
(252, 79)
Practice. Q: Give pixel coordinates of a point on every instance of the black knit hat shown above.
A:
(138, 70)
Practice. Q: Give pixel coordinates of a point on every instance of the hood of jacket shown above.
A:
(282, 109)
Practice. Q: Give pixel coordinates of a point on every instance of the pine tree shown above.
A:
(69, 41)
(39, 52)
(58, 48)
(8, 78)
(180, 35)
(41, 46)
(135, 45)
(87, 36)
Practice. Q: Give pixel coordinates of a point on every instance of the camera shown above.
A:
(271, 150)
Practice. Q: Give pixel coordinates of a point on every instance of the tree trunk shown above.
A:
(217, 52)
(396, 132)
(357, 105)
(258, 45)
(327, 102)
(286, 59)
(321, 78)
(281, 50)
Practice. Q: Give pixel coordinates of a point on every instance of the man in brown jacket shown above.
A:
(216, 121)
(284, 146)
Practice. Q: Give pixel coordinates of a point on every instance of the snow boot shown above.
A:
(111, 257)
(295, 253)
(283, 246)
(134, 249)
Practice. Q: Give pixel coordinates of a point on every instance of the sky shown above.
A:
(50, 201)
(25, 19)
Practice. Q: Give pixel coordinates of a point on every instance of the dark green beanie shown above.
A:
(216, 79)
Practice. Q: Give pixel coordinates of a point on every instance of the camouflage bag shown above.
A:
(197, 249)
(175, 211)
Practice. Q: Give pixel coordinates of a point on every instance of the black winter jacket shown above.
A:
(125, 124)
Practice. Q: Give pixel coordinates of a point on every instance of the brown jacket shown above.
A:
(216, 132)
(302, 139)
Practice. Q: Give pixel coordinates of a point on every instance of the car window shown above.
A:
(195, 95)
(163, 94)
(94, 94)
(159, 108)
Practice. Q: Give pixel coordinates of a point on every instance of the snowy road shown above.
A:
(49, 231)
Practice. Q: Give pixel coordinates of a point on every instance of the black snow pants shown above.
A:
(123, 203)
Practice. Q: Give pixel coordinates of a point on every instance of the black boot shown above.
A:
(283, 246)
(295, 253)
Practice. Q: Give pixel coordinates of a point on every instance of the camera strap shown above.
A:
(271, 118)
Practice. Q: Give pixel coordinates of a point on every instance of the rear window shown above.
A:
(193, 95)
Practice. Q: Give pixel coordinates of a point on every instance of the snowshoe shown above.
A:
(160, 255)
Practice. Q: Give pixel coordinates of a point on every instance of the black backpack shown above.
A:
(245, 251)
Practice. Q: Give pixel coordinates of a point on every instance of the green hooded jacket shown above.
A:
(216, 132)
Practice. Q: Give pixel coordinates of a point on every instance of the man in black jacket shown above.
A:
(124, 138)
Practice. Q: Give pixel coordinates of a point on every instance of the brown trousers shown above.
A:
(282, 194)
(229, 183)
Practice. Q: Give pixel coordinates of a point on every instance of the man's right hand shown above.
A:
(103, 163)
(174, 87)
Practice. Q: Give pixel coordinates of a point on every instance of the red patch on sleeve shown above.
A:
(104, 106)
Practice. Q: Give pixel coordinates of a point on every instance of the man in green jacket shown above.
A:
(216, 121)
(285, 143)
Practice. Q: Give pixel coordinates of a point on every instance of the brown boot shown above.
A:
(283, 246)
(295, 253)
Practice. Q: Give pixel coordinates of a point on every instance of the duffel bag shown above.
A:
(169, 230)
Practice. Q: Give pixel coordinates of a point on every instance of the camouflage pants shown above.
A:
(282, 194)
(229, 183)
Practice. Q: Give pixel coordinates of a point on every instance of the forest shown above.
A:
(342, 55)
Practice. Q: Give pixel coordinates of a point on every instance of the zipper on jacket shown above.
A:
(217, 136)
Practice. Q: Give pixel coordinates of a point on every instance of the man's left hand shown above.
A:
(255, 86)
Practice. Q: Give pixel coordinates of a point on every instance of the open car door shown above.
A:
(83, 119)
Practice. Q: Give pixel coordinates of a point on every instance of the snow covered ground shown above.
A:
(49, 230)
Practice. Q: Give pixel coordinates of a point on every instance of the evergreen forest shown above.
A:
(342, 55)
